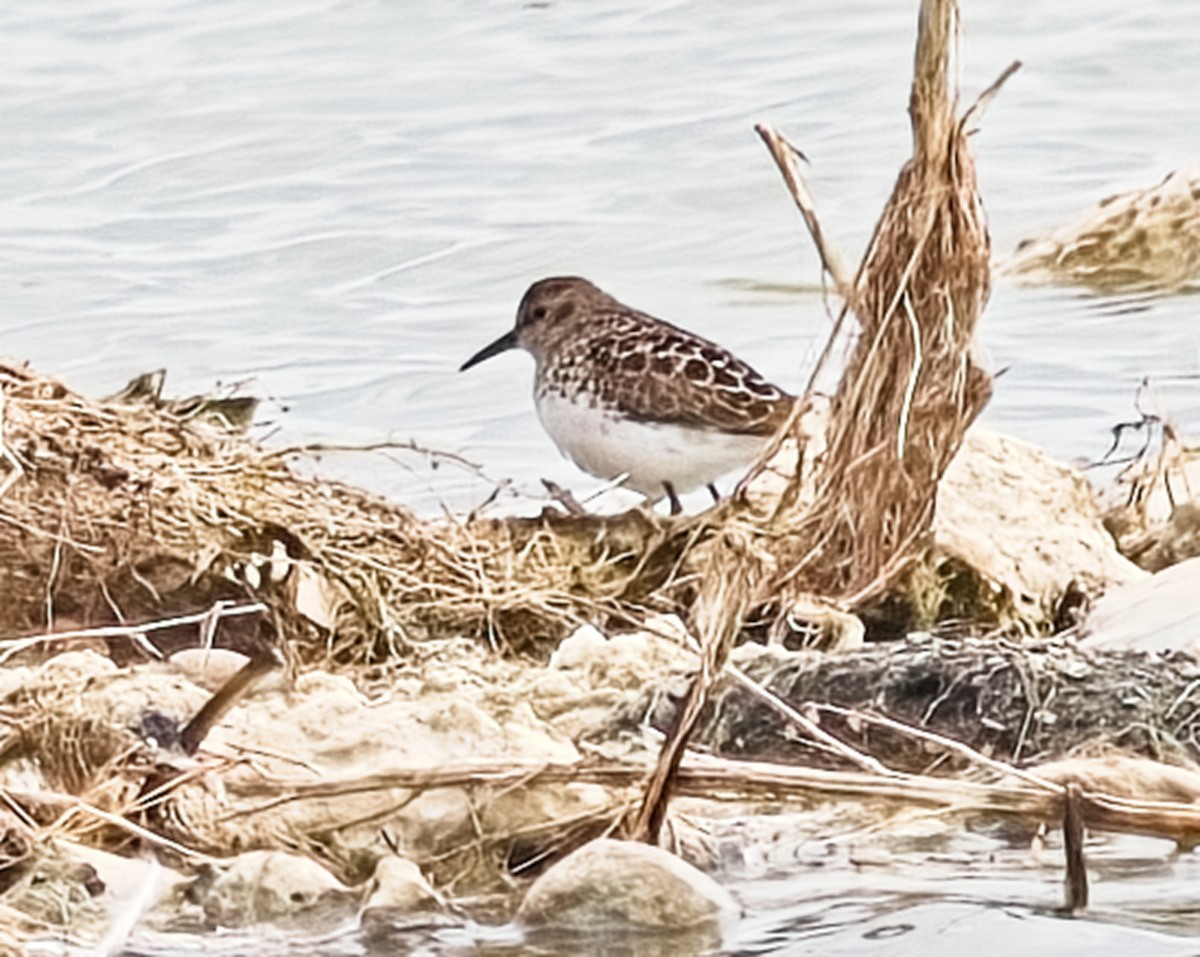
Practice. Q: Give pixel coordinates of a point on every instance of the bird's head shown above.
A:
(547, 311)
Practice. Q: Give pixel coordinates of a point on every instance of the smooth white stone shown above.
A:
(626, 885)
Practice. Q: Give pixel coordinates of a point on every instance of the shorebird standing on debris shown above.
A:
(622, 393)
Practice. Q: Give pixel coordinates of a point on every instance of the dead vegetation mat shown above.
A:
(125, 512)
(1021, 702)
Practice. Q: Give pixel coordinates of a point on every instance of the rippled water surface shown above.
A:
(340, 201)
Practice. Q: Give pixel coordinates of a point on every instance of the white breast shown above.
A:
(649, 453)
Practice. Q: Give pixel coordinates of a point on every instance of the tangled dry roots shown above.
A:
(120, 513)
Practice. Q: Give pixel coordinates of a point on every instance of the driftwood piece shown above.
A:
(717, 779)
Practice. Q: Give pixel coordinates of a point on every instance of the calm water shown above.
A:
(339, 201)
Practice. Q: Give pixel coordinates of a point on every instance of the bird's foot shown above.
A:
(676, 507)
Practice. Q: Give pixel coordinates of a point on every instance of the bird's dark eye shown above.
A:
(539, 312)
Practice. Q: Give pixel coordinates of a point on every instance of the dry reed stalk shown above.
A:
(903, 406)
(910, 388)
(724, 779)
(104, 816)
(14, 646)
(698, 776)
(1076, 882)
(788, 159)
(720, 612)
(821, 739)
(946, 743)
(81, 809)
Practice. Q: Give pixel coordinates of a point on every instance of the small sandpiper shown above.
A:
(622, 393)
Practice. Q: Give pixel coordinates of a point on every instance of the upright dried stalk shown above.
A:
(910, 389)
(720, 611)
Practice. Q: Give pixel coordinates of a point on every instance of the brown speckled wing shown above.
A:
(660, 373)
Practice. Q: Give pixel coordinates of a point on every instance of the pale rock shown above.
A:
(330, 686)
(610, 884)
(399, 885)
(594, 680)
(77, 666)
(264, 886)
(324, 730)
(435, 821)
(552, 685)
(528, 809)
(462, 719)
(582, 646)
(1027, 525)
(118, 697)
(625, 660)
(1158, 613)
(208, 668)
(13, 679)
(528, 734)
(870, 856)
(631, 661)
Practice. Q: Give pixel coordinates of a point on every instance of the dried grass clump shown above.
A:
(898, 417)
(113, 513)
(1154, 509)
(910, 387)
(1142, 240)
(75, 751)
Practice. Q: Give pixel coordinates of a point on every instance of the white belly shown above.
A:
(649, 454)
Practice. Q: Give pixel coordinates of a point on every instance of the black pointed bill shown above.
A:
(503, 344)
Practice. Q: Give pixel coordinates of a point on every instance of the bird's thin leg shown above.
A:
(676, 508)
(712, 490)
